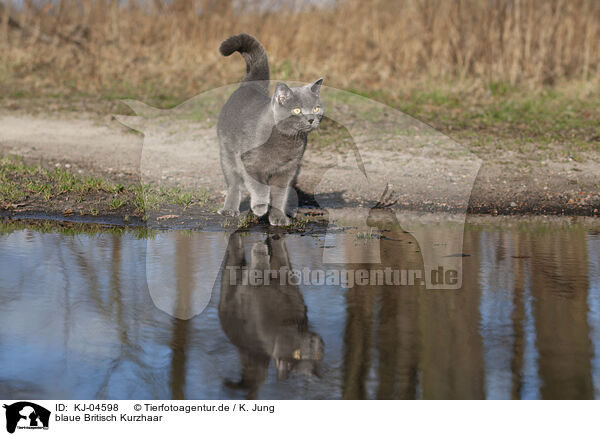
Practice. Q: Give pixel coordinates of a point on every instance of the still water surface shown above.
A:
(78, 321)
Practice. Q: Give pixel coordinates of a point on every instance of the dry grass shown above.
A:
(158, 48)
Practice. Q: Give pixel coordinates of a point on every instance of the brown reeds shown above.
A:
(154, 47)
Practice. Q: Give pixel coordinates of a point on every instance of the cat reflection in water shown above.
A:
(265, 321)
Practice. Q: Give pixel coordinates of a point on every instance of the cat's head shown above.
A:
(300, 353)
(297, 109)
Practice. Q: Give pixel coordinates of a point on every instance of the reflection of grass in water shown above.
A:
(366, 236)
(248, 220)
(72, 228)
(536, 225)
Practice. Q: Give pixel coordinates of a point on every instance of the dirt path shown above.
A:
(85, 142)
(428, 175)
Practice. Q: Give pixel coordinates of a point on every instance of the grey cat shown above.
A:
(265, 320)
(262, 138)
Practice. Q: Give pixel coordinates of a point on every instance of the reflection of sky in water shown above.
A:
(496, 308)
(531, 382)
(593, 247)
(497, 278)
(77, 321)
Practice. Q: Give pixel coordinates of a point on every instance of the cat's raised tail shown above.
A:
(257, 64)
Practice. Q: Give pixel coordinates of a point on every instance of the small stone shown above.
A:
(513, 204)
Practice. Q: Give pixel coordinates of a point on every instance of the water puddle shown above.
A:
(259, 314)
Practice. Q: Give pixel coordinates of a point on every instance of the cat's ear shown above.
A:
(282, 93)
(316, 86)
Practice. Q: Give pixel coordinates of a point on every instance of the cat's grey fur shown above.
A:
(265, 320)
(261, 139)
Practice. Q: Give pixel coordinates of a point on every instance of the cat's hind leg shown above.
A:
(291, 207)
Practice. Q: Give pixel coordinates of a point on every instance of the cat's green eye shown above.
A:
(297, 111)
(316, 109)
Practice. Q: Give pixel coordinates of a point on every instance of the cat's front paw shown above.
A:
(278, 218)
(260, 249)
(228, 212)
(260, 209)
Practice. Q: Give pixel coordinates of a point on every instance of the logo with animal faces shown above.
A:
(26, 416)
(349, 175)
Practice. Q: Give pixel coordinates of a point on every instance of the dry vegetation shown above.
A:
(148, 48)
(527, 70)
(516, 76)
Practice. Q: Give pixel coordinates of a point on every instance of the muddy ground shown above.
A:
(480, 181)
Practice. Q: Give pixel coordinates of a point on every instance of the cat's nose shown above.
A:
(310, 120)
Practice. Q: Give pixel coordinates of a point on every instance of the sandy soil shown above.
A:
(428, 172)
